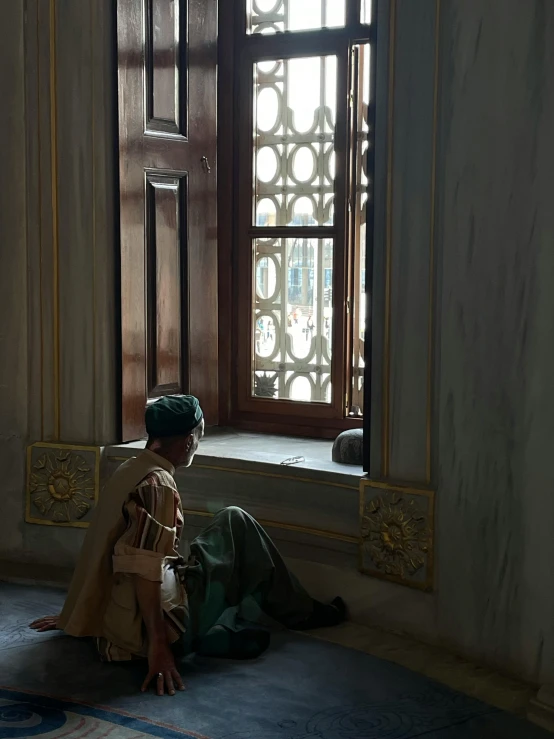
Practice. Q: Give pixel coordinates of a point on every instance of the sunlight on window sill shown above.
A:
(256, 450)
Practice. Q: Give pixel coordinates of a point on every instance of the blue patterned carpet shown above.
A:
(53, 687)
(28, 715)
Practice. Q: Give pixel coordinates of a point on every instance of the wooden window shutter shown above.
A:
(167, 57)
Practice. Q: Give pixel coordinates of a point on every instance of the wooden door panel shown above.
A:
(166, 66)
(167, 56)
(202, 222)
(166, 235)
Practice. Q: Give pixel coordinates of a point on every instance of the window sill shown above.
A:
(310, 509)
(229, 447)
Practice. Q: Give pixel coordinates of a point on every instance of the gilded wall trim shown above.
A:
(385, 452)
(92, 4)
(43, 216)
(257, 473)
(39, 230)
(321, 534)
(277, 476)
(431, 329)
(63, 482)
(55, 227)
(397, 533)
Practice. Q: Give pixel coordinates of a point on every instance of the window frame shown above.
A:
(239, 407)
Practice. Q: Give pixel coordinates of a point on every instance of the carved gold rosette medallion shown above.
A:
(62, 486)
(396, 534)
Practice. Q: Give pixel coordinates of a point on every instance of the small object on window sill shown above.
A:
(349, 447)
(293, 460)
(355, 412)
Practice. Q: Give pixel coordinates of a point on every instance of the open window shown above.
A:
(304, 128)
(285, 251)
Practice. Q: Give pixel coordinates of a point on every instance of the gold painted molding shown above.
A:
(45, 42)
(55, 224)
(39, 195)
(320, 533)
(397, 527)
(430, 326)
(235, 470)
(277, 476)
(385, 431)
(63, 482)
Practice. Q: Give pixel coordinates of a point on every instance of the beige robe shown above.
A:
(101, 603)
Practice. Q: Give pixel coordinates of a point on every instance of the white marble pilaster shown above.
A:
(58, 374)
(72, 233)
(495, 504)
(378, 299)
(412, 238)
(404, 241)
(14, 387)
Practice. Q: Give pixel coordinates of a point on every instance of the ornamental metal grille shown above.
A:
(277, 16)
(302, 216)
(294, 114)
(292, 340)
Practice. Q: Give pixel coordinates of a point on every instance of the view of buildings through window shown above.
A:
(295, 104)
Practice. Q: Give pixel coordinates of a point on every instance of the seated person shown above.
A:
(135, 594)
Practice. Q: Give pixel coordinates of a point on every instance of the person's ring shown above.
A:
(160, 675)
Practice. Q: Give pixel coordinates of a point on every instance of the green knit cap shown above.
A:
(173, 415)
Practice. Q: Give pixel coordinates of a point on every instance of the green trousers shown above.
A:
(232, 560)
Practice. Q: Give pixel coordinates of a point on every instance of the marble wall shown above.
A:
(13, 276)
(465, 238)
(495, 195)
(58, 371)
(462, 396)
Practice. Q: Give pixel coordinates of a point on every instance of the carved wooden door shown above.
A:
(167, 56)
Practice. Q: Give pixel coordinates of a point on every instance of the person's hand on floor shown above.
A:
(162, 668)
(46, 623)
